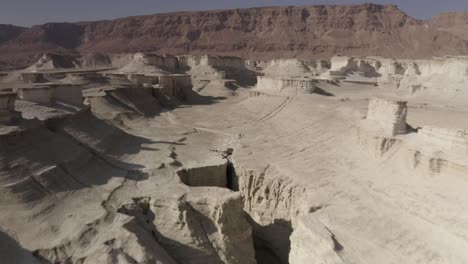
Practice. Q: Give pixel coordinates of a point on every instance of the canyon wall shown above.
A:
(307, 32)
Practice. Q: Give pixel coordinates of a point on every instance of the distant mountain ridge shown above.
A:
(9, 32)
(319, 31)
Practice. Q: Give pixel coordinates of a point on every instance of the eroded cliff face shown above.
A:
(454, 22)
(227, 173)
(259, 33)
(84, 161)
(8, 32)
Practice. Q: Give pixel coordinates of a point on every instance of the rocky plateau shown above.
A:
(139, 140)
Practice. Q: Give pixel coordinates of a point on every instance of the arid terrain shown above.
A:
(308, 32)
(108, 155)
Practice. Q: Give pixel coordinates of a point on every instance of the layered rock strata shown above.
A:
(7, 107)
(285, 85)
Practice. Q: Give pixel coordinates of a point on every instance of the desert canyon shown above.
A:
(318, 134)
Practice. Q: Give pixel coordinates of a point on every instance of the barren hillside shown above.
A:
(8, 32)
(261, 33)
(454, 22)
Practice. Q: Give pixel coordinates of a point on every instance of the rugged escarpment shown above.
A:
(8, 32)
(451, 19)
(453, 22)
(140, 158)
(261, 33)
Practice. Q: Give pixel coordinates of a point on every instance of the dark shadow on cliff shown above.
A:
(193, 98)
(104, 139)
(244, 77)
(68, 155)
(322, 92)
(271, 242)
(12, 252)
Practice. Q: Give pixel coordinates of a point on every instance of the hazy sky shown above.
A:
(30, 12)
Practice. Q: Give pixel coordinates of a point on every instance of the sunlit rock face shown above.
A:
(389, 115)
(143, 158)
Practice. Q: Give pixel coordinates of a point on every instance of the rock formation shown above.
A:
(210, 226)
(389, 115)
(7, 107)
(323, 248)
(209, 175)
(306, 32)
(438, 150)
(413, 77)
(62, 94)
(452, 140)
(386, 118)
(144, 158)
(285, 85)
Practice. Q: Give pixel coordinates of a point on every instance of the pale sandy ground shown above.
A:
(380, 210)
(296, 155)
